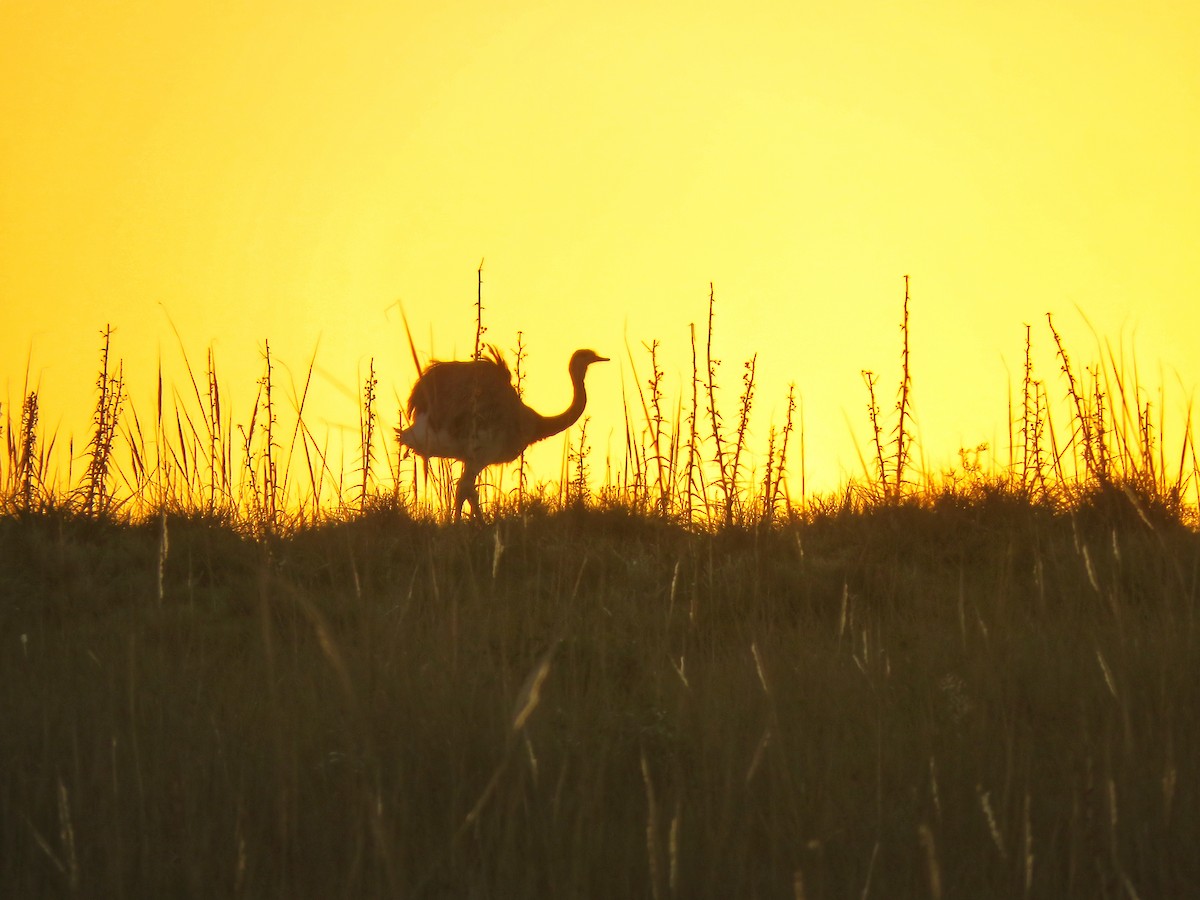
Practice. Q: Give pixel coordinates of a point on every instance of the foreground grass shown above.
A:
(955, 697)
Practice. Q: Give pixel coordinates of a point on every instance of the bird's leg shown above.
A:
(467, 492)
(476, 512)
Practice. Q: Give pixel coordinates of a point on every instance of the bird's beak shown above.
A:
(601, 359)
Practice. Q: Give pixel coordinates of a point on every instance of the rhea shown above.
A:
(470, 411)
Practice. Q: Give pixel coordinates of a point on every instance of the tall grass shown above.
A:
(98, 493)
(682, 461)
(366, 430)
(231, 670)
(890, 455)
(979, 698)
(27, 458)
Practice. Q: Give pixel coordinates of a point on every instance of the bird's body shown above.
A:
(470, 411)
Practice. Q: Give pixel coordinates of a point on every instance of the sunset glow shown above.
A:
(301, 172)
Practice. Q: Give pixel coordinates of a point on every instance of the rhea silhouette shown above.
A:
(470, 411)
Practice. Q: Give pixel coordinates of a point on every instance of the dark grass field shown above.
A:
(967, 697)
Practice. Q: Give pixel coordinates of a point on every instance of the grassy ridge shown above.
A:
(226, 670)
(962, 698)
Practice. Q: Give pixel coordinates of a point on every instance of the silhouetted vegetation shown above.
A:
(681, 683)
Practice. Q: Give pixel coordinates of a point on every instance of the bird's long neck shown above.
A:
(548, 426)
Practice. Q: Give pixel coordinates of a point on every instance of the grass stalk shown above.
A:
(366, 431)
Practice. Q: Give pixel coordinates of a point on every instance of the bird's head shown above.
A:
(581, 359)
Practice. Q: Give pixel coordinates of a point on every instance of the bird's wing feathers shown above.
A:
(468, 408)
(448, 385)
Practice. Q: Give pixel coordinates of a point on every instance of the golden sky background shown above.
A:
(293, 171)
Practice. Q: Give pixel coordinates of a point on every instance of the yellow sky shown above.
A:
(291, 170)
